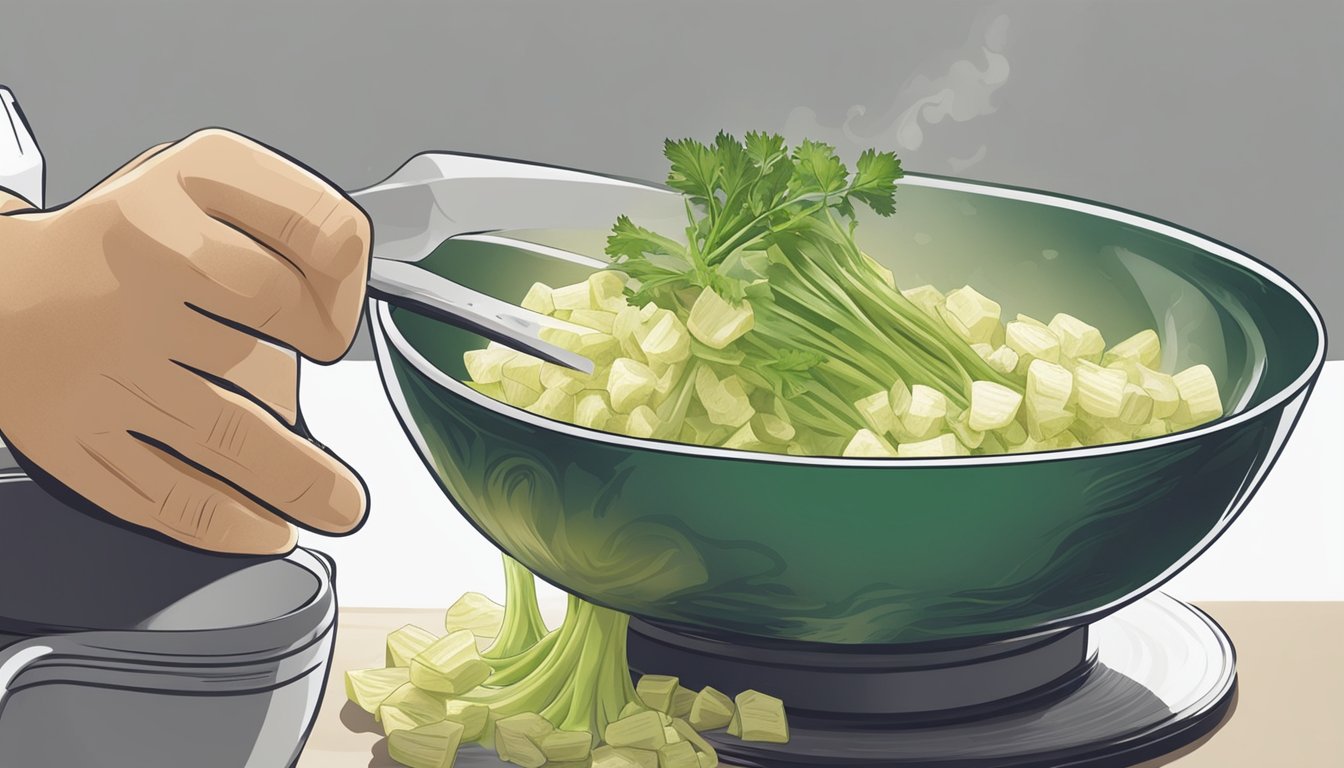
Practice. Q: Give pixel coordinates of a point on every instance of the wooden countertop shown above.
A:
(1287, 713)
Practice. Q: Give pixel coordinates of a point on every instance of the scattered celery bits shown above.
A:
(759, 717)
(427, 746)
(367, 688)
(450, 664)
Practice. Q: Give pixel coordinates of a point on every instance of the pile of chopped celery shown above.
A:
(557, 699)
(767, 329)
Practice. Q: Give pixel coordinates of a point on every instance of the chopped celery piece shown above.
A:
(1049, 390)
(759, 717)
(572, 297)
(493, 391)
(657, 691)
(926, 412)
(1101, 391)
(1154, 428)
(1136, 407)
(592, 410)
(564, 379)
(567, 746)
(725, 401)
(717, 323)
(411, 702)
(596, 319)
(688, 733)
(866, 444)
(518, 739)
(927, 298)
(405, 643)
(942, 445)
(368, 688)
(1031, 342)
(474, 718)
(641, 731)
(450, 665)
(671, 734)
(485, 366)
(772, 429)
(1142, 348)
(606, 291)
(961, 427)
(1004, 359)
(1200, 401)
(993, 406)
(642, 422)
(554, 404)
(711, 709)
(644, 758)
(744, 439)
(538, 299)
(898, 398)
(630, 384)
(876, 412)
(682, 701)
(677, 755)
(667, 341)
(520, 376)
(610, 757)
(428, 746)
(1162, 389)
(394, 718)
(1077, 339)
(971, 315)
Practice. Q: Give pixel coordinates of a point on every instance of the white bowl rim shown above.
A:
(384, 325)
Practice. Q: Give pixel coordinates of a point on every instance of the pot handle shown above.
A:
(17, 658)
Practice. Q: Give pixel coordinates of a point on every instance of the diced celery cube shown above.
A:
(606, 291)
(1003, 359)
(671, 734)
(517, 739)
(960, 426)
(641, 731)
(1101, 391)
(485, 366)
(677, 755)
(475, 613)
(521, 380)
(405, 643)
(596, 319)
(688, 733)
(1048, 392)
(666, 341)
(711, 709)
(572, 297)
(1013, 434)
(682, 701)
(644, 758)
(657, 691)
(942, 445)
(993, 406)
(772, 429)
(450, 665)
(554, 404)
(875, 410)
(1136, 408)
(1142, 348)
(707, 760)
(394, 718)
(629, 384)
(493, 391)
(725, 401)
(716, 323)
(567, 746)
(474, 718)
(610, 757)
(1162, 389)
(1031, 342)
(927, 298)
(591, 410)
(1029, 320)
(599, 347)
(971, 315)
(412, 705)
(538, 299)
(368, 688)
(1200, 401)
(1077, 340)
(642, 422)
(926, 412)
(428, 746)
(867, 444)
(983, 348)
(1154, 428)
(759, 717)
(898, 398)
(569, 381)
(668, 379)
(744, 439)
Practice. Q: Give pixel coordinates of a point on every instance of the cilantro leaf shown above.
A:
(875, 180)
(694, 167)
(632, 241)
(817, 169)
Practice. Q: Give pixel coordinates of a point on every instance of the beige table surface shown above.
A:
(1289, 710)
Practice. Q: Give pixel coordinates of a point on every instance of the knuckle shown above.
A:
(227, 435)
(189, 511)
(211, 140)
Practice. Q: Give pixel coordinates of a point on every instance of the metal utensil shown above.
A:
(438, 196)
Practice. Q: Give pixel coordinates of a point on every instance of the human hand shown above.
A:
(147, 331)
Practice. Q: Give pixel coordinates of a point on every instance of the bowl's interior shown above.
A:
(1239, 318)
(833, 550)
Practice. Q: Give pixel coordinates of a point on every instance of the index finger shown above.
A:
(287, 208)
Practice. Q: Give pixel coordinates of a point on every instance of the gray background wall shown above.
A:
(1222, 116)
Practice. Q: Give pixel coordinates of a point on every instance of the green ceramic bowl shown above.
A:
(888, 551)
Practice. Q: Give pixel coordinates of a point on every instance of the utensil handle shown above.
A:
(22, 168)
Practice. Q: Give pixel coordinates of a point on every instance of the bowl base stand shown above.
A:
(1140, 683)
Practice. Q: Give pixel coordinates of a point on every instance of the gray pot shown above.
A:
(121, 649)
